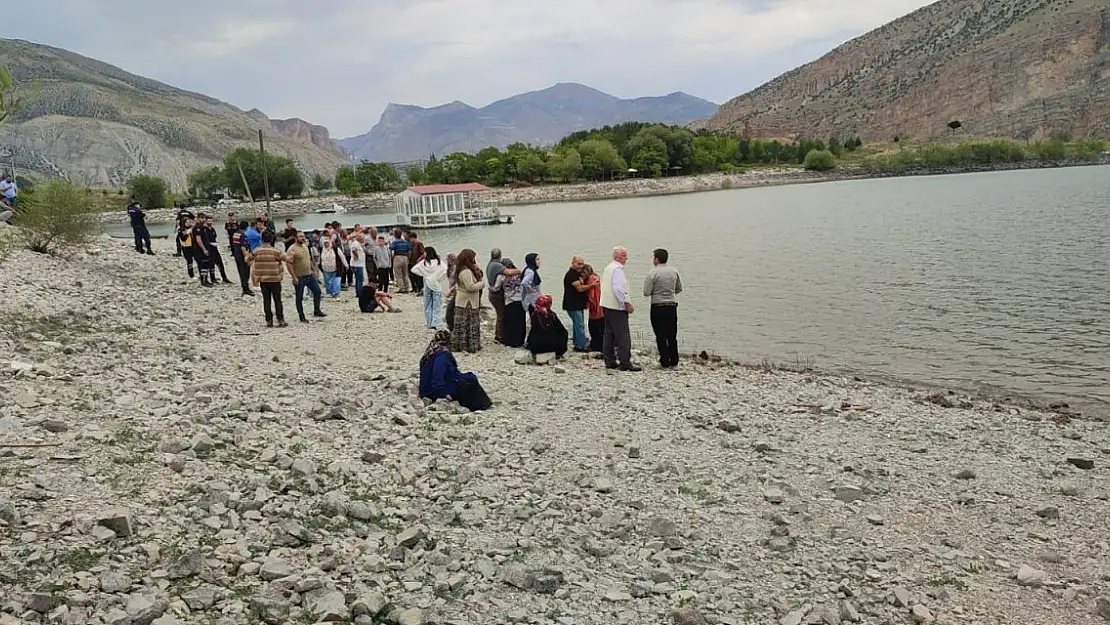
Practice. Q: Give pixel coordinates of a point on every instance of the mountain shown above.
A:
(407, 132)
(99, 125)
(1016, 68)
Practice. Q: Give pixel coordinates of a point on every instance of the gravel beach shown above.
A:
(166, 459)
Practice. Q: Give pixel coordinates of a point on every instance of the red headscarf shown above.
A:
(543, 306)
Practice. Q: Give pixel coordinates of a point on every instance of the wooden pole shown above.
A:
(246, 186)
(265, 171)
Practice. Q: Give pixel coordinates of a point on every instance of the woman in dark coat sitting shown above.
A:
(440, 377)
(547, 334)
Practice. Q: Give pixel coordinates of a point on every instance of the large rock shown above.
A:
(118, 520)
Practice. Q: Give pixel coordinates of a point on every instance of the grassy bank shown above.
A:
(976, 154)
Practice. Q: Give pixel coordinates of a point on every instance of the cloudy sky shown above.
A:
(339, 62)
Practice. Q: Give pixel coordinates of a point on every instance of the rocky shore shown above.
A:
(166, 460)
(617, 189)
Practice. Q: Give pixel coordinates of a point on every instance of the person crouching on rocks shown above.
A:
(370, 299)
(547, 334)
(440, 377)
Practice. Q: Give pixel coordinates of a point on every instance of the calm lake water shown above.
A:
(980, 281)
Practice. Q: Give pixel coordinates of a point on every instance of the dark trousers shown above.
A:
(204, 265)
(271, 301)
(597, 334)
(514, 332)
(142, 238)
(244, 272)
(417, 283)
(497, 300)
(616, 348)
(449, 317)
(187, 252)
(383, 279)
(312, 284)
(664, 322)
(218, 261)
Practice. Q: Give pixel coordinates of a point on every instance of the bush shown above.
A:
(56, 218)
(819, 160)
(150, 191)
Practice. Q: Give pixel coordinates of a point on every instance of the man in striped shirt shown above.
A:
(267, 265)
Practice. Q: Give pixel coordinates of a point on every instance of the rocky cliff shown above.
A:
(1016, 68)
(99, 125)
(407, 132)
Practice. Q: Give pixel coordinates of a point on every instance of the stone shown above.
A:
(165, 619)
(921, 614)
(328, 606)
(143, 609)
(372, 457)
(603, 485)
(774, 495)
(1029, 576)
(965, 474)
(633, 452)
(547, 583)
(1048, 512)
(687, 616)
(848, 612)
(517, 577)
(371, 605)
(793, 618)
(901, 597)
(202, 598)
(41, 602)
(118, 520)
(545, 358)
(411, 616)
(875, 519)
(8, 513)
(173, 445)
(411, 537)
(523, 357)
(728, 426)
(114, 582)
(1081, 463)
(663, 527)
(847, 493)
(616, 595)
(54, 426)
(202, 444)
(303, 467)
(273, 568)
(1102, 607)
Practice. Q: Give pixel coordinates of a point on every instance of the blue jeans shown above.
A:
(433, 308)
(360, 277)
(331, 283)
(312, 284)
(578, 320)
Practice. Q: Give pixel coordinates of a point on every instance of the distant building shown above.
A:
(447, 206)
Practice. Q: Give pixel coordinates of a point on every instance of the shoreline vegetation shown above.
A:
(252, 475)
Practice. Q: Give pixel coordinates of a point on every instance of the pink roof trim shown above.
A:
(435, 189)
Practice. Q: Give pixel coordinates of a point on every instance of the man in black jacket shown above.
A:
(239, 251)
(138, 226)
(215, 260)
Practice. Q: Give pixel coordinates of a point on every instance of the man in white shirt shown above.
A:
(617, 347)
(9, 190)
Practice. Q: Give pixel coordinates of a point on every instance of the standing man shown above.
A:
(254, 235)
(215, 257)
(382, 260)
(496, 296)
(416, 255)
(576, 299)
(304, 275)
(617, 347)
(358, 260)
(400, 249)
(289, 235)
(267, 267)
(231, 227)
(662, 285)
(239, 252)
(138, 227)
(9, 190)
(202, 251)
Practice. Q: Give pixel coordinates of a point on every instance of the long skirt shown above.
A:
(467, 333)
(471, 395)
(514, 321)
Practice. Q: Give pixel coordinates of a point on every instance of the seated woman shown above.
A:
(440, 377)
(370, 299)
(547, 335)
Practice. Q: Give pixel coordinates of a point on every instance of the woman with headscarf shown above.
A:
(440, 377)
(594, 310)
(332, 264)
(531, 281)
(547, 334)
(467, 332)
(452, 268)
(515, 320)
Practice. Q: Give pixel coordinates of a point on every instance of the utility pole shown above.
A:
(265, 172)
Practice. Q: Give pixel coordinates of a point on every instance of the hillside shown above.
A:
(99, 125)
(407, 132)
(1016, 68)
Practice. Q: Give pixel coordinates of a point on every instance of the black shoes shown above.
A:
(630, 367)
(282, 324)
(319, 313)
(304, 319)
(250, 293)
(226, 281)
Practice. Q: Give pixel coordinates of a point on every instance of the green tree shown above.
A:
(206, 182)
(600, 159)
(346, 182)
(834, 146)
(415, 175)
(434, 171)
(819, 160)
(12, 99)
(320, 183)
(58, 217)
(531, 167)
(955, 124)
(377, 177)
(150, 191)
(285, 179)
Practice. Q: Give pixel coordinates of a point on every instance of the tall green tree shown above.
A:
(12, 99)
(376, 177)
(150, 191)
(285, 179)
(320, 183)
(600, 160)
(346, 181)
(206, 182)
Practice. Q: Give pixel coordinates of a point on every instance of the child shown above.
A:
(371, 300)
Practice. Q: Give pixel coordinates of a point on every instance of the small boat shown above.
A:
(335, 209)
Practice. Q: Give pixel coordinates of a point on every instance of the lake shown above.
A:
(994, 281)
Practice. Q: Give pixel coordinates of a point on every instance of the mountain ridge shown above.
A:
(99, 125)
(1019, 68)
(406, 132)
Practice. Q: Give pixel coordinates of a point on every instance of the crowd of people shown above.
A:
(333, 259)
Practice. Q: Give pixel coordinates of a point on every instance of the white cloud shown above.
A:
(339, 62)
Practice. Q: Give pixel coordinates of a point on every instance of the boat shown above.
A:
(336, 209)
(432, 207)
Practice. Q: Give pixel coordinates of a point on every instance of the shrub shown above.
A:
(150, 191)
(1053, 149)
(56, 218)
(819, 160)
